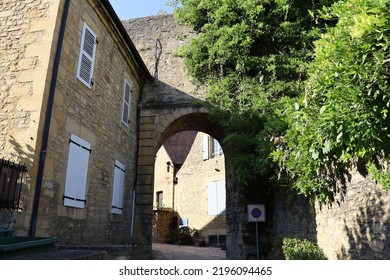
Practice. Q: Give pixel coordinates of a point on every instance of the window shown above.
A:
(210, 148)
(126, 103)
(216, 197)
(117, 190)
(87, 56)
(76, 172)
(12, 177)
(216, 149)
(217, 240)
(159, 199)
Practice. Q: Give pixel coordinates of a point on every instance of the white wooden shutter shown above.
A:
(117, 191)
(77, 172)
(126, 103)
(221, 197)
(205, 147)
(87, 56)
(212, 198)
(216, 198)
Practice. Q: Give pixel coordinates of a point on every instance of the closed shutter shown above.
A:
(221, 197)
(76, 172)
(216, 198)
(117, 192)
(87, 56)
(205, 147)
(212, 198)
(126, 103)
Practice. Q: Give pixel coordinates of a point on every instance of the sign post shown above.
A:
(256, 214)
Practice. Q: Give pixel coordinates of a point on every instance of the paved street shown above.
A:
(175, 252)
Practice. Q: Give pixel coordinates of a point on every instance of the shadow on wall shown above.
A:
(293, 216)
(368, 237)
(22, 156)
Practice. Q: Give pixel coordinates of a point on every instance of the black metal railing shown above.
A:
(12, 178)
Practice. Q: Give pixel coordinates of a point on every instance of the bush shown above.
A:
(184, 235)
(297, 249)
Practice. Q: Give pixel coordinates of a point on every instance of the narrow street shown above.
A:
(175, 252)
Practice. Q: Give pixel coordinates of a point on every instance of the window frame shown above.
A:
(211, 148)
(127, 103)
(216, 148)
(85, 57)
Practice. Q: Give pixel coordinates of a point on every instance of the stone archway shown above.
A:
(157, 122)
(170, 103)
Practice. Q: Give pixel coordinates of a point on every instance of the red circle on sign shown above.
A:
(256, 212)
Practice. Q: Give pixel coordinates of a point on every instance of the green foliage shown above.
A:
(300, 87)
(183, 235)
(381, 176)
(297, 249)
(343, 113)
(252, 56)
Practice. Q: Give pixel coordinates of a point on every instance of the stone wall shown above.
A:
(27, 31)
(192, 193)
(162, 224)
(188, 197)
(158, 40)
(356, 226)
(163, 179)
(26, 34)
(95, 116)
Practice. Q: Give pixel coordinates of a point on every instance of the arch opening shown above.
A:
(190, 191)
(191, 122)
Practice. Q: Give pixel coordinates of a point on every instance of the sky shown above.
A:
(126, 9)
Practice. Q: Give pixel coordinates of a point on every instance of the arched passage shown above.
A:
(157, 124)
(198, 121)
(190, 190)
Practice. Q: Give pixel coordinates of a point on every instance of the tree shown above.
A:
(343, 118)
(300, 84)
(252, 57)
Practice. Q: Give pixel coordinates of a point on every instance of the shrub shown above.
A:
(184, 235)
(297, 249)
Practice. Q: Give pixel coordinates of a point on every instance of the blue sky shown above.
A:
(126, 9)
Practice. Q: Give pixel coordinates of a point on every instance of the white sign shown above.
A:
(256, 213)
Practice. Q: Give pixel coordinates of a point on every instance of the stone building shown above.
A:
(189, 187)
(70, 83)
(82, 114)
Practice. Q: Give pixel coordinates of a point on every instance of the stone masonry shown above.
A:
(27, 29)
(192, 192)
(188, 196)
(356, 227)
(29, 34)
(94, 115)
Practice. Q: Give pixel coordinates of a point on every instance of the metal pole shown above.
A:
(257, 241)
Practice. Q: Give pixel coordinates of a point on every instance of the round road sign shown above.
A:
(256, 213)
